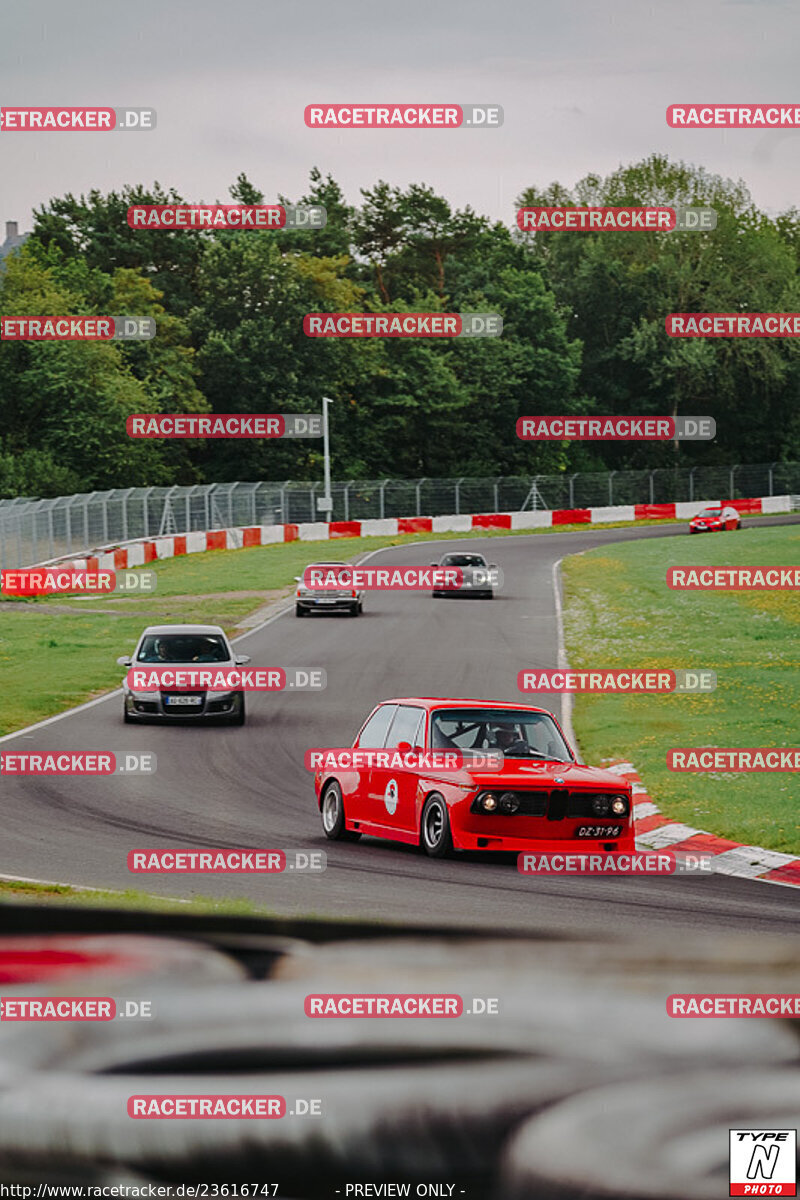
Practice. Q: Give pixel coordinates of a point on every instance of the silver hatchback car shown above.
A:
(343, 600)
(179, 645)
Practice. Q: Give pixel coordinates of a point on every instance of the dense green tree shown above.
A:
(619, 287)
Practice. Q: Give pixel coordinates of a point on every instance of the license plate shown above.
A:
(598, 831)
(183, 701)
(326, 602)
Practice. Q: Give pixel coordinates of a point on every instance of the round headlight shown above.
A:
(600, 806)
(619, 806)
(489, 802)
(509, 802)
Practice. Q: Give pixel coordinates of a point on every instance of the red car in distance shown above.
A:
(715, 518)
(539, 799)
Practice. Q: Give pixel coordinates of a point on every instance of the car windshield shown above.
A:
(711, 512)
(463, 560)
(182, 648)
(519, 733)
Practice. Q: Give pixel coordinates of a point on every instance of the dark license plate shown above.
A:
(598, 831)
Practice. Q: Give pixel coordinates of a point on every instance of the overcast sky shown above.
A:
(584, 86)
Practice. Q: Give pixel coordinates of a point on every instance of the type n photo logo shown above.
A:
(763, 1162)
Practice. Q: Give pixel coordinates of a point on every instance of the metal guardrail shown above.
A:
(38, 530)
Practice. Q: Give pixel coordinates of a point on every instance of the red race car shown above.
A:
(715, 518)
(539, 798)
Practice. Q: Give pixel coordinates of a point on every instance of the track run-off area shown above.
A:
(225, 787)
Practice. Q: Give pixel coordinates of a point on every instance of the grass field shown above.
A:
(620, 613)
(18, 891)
(56, 652)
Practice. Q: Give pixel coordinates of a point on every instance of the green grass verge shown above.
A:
(620, 613)
(14, 891)
(56, 653)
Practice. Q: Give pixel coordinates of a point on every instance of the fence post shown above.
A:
(732, 477)
(125, 514)
(771, 469)
(611, 475)
(459, 481)
(347, 487)
(691, 483)
(35, 539)
(496, 497)
(146, 514)
(419, 494)
(572, 479)
(382, 498)
(652, 488)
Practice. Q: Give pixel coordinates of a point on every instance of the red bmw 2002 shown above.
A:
(538, 797)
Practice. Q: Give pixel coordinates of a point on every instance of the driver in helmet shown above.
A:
(506, 739)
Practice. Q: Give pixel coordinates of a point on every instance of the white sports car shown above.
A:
(178, 645)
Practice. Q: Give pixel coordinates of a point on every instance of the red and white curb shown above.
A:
(654, 831)
(146, 550)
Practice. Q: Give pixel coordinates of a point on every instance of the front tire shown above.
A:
(239, 715)
(126, 716)
(298, 611)
(434, 835)
(333, 819)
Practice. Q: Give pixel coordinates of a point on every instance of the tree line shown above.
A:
(583, 332)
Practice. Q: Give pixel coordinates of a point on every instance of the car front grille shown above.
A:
(532, 804)
(580, 803)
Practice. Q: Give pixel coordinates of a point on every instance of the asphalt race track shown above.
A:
(247, 787)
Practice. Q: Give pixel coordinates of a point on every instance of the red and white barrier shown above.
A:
(144, 551)
(655, 831)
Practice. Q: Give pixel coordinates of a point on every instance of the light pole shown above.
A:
(325, 503)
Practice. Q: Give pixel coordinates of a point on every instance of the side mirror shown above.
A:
(241, 659)
(404, 747)
(125, 661)
(433, 564)
(298, 579)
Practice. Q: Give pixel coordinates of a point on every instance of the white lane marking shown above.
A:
(667, 835)
(623, 768)
(81, 887)
(640, 811)
(60, 716)
(562, 663)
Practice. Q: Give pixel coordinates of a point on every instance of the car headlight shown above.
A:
(302, 591)
(489, 802)
(509, 802)
(619, 806)
(601, 806)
